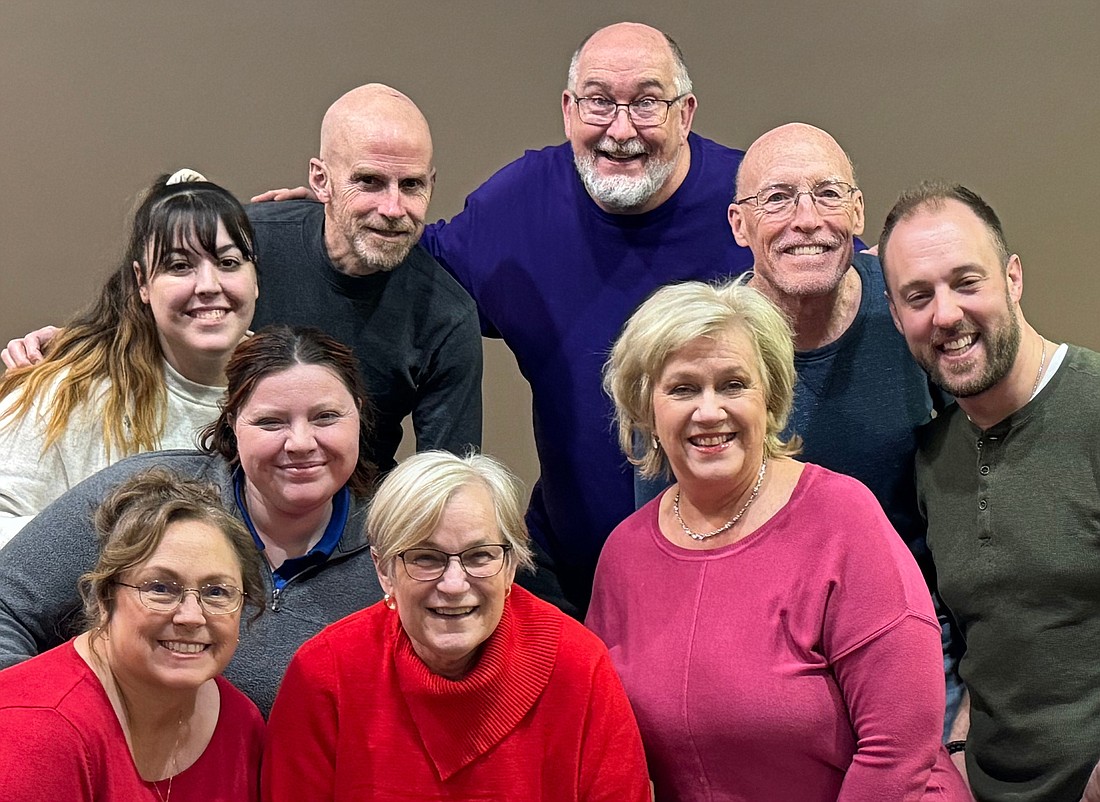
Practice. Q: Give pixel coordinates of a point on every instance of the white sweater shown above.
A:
(31, 479)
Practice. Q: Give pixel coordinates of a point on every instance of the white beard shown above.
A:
(623, 191)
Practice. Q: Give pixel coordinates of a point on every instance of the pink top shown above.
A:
(800, 663)
(61, 740)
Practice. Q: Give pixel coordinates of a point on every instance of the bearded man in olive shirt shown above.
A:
(1008, 481)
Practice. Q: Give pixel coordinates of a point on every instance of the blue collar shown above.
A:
(320, 553)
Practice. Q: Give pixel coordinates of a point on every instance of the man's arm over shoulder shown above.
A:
(469, 246)
(447, 414)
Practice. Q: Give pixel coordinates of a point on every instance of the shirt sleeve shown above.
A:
(894, 689)
(299, 762)
(39, 570)
(447, 414)
(30, 478)
(452, 244)
(613, 767)
(42, 757)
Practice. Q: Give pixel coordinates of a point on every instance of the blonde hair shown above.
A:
(670, 319)
(409, 503)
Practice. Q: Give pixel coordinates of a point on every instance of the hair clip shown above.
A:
(184, 176)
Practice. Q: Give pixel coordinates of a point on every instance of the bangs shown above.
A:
(189, 220)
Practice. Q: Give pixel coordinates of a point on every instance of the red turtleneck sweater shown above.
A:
(542, 716)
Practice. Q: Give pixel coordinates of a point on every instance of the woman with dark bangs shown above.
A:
(143, 367)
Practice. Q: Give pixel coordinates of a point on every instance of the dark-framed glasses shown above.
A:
(827, 196)
(645, 112)
(479, 562)
(165, 596)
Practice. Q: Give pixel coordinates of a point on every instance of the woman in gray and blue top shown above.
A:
(287, 451)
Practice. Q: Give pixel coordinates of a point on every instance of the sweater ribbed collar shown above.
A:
(460, 720)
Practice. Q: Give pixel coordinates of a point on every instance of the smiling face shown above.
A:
(297, 438)
(953, 299)
(184, 648)
(806, 252)
(709, 410)
(375, 178)
(202, 304)
(448, 619)
(625, 168)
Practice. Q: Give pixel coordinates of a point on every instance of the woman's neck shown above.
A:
(205, 369)
(155, 720)
(285, 534)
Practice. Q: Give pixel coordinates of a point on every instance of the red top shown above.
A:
(61, 740)
(542, 716)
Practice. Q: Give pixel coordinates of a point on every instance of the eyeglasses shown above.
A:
(644, 113)
(165, 596)
(479, 562)
(827, 196)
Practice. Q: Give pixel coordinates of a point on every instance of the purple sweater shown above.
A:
(556, 277)
(799, 663)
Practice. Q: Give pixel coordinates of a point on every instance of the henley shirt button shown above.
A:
(984, 470)
(982, 504)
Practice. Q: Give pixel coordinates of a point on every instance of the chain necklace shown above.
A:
(1039, 375)
(173, 758)
(174, 766)
(724, 527)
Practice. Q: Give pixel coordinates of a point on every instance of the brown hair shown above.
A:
(933, 195)
(273, 350)
(113, 342)
(131, 522)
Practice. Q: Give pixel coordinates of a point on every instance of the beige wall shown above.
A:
(97, 98)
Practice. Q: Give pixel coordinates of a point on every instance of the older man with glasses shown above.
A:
(860, 396)
(559, 248)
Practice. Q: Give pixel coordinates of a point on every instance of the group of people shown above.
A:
(768, 627)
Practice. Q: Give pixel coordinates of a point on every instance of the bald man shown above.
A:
(350, 265)
(860, 396)
(559, 247)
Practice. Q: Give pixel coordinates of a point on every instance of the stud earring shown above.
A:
(389, 601)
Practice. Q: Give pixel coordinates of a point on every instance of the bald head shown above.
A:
(368, 113)
(658, 48)
(375, 177)
(794, 148)
(805, 249)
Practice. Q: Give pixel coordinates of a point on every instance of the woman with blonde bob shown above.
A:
(773, 633)
(459, 684)
(141, 368)
(135, 708)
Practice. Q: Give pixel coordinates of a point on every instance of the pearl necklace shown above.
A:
(724, 527)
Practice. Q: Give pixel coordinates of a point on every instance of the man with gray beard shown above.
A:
(559, 248)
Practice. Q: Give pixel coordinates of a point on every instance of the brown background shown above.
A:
(96, 98)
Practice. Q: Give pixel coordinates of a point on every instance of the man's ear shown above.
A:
(566, 117)
(1014, 276)
(143, 285)
(687, 112)
(893, 312)
(319, 180)
(858, 219)
(735, 214)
